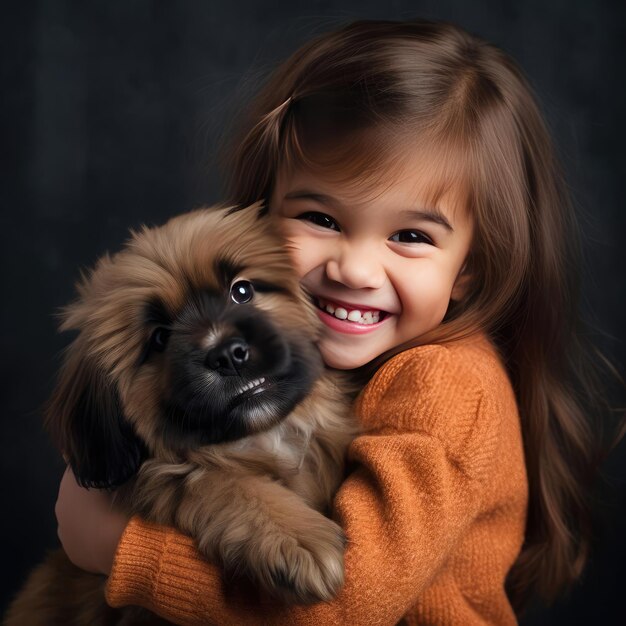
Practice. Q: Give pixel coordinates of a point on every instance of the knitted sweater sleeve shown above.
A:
(412, 495)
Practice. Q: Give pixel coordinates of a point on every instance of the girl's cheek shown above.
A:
(305, 254)
(425, 295)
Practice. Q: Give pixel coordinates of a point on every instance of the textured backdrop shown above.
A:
(111, 112)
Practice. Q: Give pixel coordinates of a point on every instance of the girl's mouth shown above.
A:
(344, 313)
(346, 319)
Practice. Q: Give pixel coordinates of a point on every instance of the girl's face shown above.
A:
(382, 267)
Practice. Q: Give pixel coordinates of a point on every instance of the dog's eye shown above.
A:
(241, 291)
(158, 341)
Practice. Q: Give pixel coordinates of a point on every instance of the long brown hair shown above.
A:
(354, 99)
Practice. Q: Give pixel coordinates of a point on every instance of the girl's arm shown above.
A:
(403, 510)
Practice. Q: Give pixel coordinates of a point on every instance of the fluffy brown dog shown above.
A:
(194, 386)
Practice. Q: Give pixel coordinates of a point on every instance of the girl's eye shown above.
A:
(241, 291)
(158, 340)
(411, 236)
(320, 219)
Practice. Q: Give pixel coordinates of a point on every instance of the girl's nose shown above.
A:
(356, 267)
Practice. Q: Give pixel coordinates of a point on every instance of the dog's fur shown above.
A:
(149, 401)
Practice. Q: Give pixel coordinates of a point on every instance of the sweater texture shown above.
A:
(434, 508)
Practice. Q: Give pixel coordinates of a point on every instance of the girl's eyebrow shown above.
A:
(318, 197)
(430, 214)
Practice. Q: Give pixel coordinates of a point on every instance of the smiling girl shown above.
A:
(382, 269)
(411, 173)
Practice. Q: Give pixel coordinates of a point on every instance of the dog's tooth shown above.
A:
(368, 317)
(341, 313)
(330, 309)
(354, 316)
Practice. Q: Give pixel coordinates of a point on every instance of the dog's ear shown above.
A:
(85, 419)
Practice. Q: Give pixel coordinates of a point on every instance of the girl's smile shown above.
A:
(380, 267)
(349, 318)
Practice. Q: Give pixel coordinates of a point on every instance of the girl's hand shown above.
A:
(88, 527)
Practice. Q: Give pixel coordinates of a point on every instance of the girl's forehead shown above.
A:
(415, 179)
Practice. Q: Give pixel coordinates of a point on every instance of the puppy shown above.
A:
(194, 387)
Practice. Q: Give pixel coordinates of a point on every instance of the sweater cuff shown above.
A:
(136, 565)
(158, 568)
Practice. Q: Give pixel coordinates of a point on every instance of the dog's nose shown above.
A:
(228, 357)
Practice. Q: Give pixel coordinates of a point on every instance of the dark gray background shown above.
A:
(111, 112)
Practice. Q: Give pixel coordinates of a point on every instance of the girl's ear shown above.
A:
(85, 418)
(461, 284)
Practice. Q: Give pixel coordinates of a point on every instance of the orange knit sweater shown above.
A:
(434, 510)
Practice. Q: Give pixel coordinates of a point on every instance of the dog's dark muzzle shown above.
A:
(232, 376)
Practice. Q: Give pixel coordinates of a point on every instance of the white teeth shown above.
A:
(251, 385)
(354, 316)
(341, 313)
(369, 317)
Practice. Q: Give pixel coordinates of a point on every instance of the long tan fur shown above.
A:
(255, 499)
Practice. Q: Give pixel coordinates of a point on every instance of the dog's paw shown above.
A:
(307, 567)
(302, 563)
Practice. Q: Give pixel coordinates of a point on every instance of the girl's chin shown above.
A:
(343, 359)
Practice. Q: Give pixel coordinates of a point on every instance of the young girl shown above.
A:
(412, 175)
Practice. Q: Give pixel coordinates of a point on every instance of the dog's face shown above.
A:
(196, 333)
